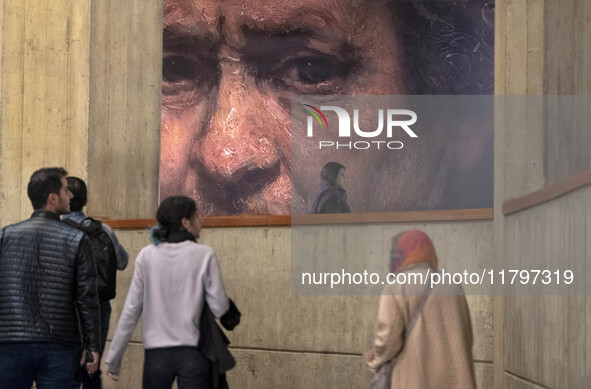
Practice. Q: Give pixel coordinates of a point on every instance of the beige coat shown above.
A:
(438, 351)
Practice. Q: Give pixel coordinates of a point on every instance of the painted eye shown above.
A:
(314, 70)
(176, 69)
(314, 74)
(186, 77)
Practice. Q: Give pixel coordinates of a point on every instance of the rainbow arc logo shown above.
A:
(316, 115)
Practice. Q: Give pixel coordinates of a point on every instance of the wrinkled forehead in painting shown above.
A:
(258, 32)
(232, 18)
(444, 47)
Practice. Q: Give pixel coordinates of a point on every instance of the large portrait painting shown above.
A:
(231, 69)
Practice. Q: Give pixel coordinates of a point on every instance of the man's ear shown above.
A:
(51, 199)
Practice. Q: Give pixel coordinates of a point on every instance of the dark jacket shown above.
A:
(330, 199)
(47, 284)
(334, 204)
(213, 343)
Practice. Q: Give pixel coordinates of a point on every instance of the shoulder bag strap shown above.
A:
(384, 373)
(417, 312)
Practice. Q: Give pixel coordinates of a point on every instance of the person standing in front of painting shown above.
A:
(174, 277)
(331, 197)
(49, 306)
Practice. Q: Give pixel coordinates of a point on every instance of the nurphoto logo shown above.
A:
(395, 118)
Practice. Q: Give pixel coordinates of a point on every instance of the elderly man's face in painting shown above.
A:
(229, 69)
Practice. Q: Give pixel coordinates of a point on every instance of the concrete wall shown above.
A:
(519, 71)
(287, 341)
(568, 72)
(547, 337)
(124, 115)
(45, 94)
(542, 341)
(81, 84)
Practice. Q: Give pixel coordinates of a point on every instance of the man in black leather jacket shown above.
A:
(48, 298)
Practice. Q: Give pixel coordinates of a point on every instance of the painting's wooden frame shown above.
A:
(327, 219)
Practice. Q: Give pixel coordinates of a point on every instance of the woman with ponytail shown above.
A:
(174, 277)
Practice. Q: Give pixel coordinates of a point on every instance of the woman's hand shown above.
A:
(369, 356)
(113, 376)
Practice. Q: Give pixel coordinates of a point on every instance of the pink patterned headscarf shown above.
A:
(411, 247)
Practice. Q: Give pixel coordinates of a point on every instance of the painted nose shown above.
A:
(240, 148)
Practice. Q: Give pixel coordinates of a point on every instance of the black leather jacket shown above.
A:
(47, 284)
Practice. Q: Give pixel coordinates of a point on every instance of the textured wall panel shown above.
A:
(568, 72)
(519, 71)
(45, 60)
(547, 337)
(256, 268)
(265, 369)
(124, 137)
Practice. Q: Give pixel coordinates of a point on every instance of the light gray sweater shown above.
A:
(170, 284)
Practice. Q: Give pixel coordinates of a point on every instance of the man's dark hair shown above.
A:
(78, 189)
(330, 171)
(44, 182)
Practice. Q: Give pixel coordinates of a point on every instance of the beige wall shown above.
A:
(547, 337)
(310, 341)
(519, 71)
(44, 83)
(124, 125)
(568, 72)
(542, 48)
(542, 341)
(81, 85)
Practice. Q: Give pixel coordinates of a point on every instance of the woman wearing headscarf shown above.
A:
(331, 197)
(426, 333)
